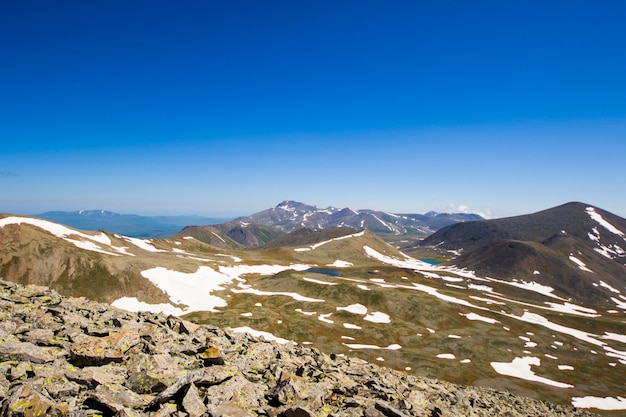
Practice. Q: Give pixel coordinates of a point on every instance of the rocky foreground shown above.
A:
(70, 356)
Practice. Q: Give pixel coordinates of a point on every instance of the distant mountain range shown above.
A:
(259, 228)
(292, 215)
(131, 225)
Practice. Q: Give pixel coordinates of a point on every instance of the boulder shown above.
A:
(95, 351)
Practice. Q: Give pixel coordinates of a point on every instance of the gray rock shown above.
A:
(25, 401)
(61, 389)
(296, 411)
(231, 410)
(150, 381)
(14, 350)
(287, 389)
(192, 402)
(236, 391)
(95, 351)
(95, 375)
(388, 410)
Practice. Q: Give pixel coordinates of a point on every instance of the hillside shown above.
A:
(353, 294)
(577, 249)
(232, 234)
(578, 220)
(304, 236)
(75, 357)
(210, 235)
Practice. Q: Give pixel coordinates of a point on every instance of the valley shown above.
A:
(349, 292)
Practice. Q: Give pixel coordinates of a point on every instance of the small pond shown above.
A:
(430, 261)
(326, 271)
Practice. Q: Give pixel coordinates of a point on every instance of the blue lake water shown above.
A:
(430, 261)
(326, 271)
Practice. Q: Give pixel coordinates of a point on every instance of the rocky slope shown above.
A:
(70, 356)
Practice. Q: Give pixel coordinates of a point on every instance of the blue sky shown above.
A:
(228, 107)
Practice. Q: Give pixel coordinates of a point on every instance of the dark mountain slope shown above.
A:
(210, 235)
(575, 248)
(531, 261)
(305, 236)
(572, 218)
(249, 234)
(233, 235)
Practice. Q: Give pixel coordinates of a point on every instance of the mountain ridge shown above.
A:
(290, 215)
(571, 247)
(382, 223)
(259, 229)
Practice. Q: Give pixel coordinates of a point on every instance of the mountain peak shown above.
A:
(572, 244)
(291, 215)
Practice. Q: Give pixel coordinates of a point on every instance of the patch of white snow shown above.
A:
(520, 368)
(601, 403)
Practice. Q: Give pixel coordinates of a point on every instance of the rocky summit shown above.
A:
(71, 356)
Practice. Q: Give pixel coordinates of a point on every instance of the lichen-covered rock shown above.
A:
(97, 351)
(25, 401)
(12, 349)
(193, 403)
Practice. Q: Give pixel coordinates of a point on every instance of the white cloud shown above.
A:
(461, 208)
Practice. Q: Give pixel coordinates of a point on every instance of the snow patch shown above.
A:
(317, 245)
(446, 356)
(580, 263)
(610, 288)
(317, 281)
(378, 317)
(477, 317)
(258, 333)
(601, 403)
(246, 289)
(520, 368)
(608, 226)
(360, 346)
(354, 309)
(145, 244)
(134, 305)
(191, 289)
(325, 318)
(64, 233)
(341, 264)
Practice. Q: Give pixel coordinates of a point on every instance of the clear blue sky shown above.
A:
(229, 107)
